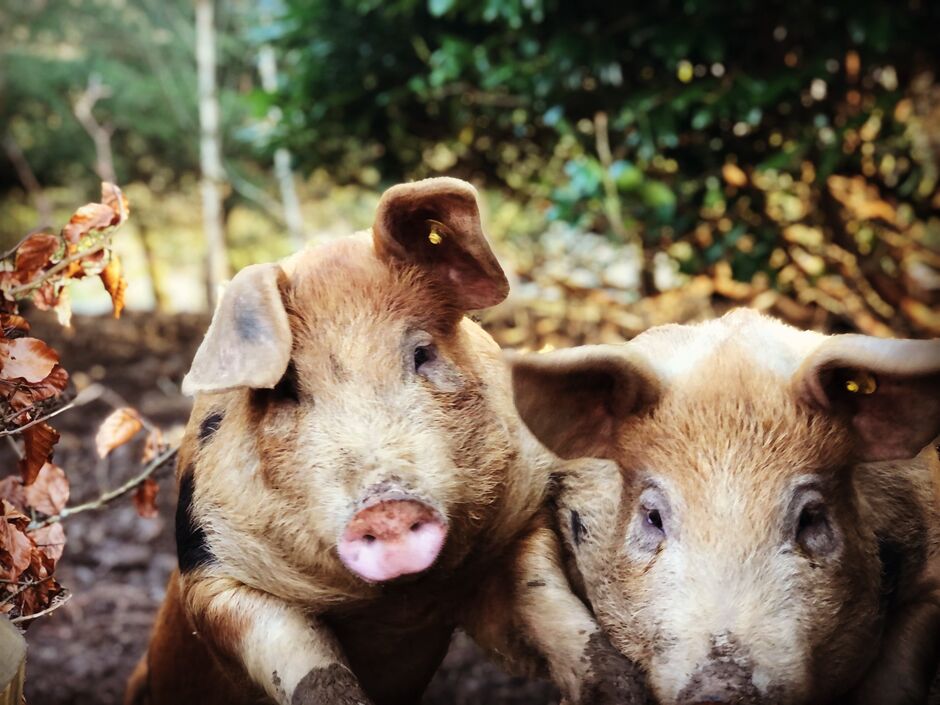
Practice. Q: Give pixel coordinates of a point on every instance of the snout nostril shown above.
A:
(416, 526)
(368, 538)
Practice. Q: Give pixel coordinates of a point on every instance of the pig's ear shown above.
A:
(889, 389)
(435, 224)
(248, 343)
(574, 401)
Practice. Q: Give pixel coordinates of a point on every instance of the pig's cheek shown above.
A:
(334, 685)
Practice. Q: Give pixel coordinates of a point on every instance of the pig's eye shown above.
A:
(654, 519)
(424, 354)
(814, 530)
(648, 531)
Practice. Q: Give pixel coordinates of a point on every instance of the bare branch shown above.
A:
(59, 601)
(86, 396)
(62, 264)
(100, 134)
(23, 587)
(28, 179)
(109, 496)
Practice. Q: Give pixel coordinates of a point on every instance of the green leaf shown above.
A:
(439, 8)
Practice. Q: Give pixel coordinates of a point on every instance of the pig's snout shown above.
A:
(720, 683)
(392, 538)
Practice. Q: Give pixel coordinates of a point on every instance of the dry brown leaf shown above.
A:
(92, 217)
(13, 325)
(50, 540)
(96, 217)
(49, 493)
(117, 429)
(11, 490)
(23, 396)
(63, 309)
(15, 546)
(115, 283)
(46, 296)
(145, 498)
(114, 198)
(153, 446)
(29, 359)
(38, 442)
(33, 254)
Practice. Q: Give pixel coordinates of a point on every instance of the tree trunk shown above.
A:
(12, 663)
(210, 151)
(29, 181)
(267, 67)
(100, 134)
(159, 296)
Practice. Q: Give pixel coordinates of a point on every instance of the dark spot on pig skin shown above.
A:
(613, 678)
(340, 374)
(577, 528)
(192, 549)
(246, 323)
(209, 426)
(333, 685)
(891, 557)
(276, 682)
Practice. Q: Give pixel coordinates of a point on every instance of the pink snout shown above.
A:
(392, 538)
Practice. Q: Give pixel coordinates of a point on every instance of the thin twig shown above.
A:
(23, 587)
(62, 264)
(65, 597)
(106, 497)
(86, 396)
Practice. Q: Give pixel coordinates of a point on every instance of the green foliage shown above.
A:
(510, 90)
(143, 54)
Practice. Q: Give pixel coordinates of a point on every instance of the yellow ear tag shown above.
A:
(863, 383)
(435, 238)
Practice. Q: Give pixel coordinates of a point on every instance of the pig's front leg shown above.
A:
(294, 658)
(531, 608)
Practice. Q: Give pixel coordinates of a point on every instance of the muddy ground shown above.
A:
(116, 563)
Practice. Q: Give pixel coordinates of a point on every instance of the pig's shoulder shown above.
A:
(901, 499)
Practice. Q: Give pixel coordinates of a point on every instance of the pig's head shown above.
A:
(728, 549)
(346, 389)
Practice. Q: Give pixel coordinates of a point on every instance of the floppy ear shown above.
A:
(575, 400)
(248, 343)
(890, 390)
(435, 224)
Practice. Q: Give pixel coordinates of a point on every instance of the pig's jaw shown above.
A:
(391, 539)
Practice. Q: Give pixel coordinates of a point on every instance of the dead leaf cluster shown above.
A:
(33, 387)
